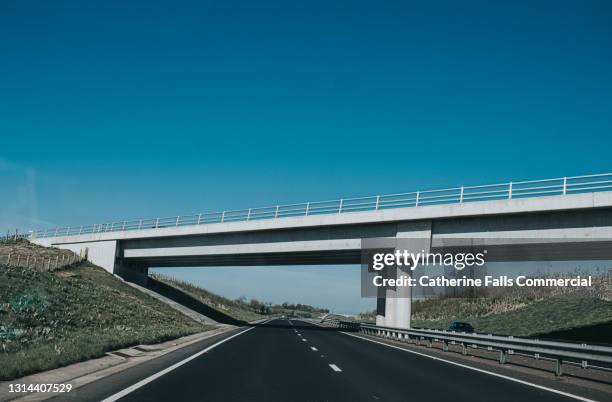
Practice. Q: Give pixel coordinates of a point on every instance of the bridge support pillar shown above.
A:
(414, 237)
(380, 307)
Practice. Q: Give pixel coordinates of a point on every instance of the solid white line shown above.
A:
(314, 349)
(580, 398)
(335, 368)
(155, 376)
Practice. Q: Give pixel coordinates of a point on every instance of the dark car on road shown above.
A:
(458, 326)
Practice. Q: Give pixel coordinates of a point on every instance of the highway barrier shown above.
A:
(583, 355)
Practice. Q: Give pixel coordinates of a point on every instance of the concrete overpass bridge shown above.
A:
(552, 211)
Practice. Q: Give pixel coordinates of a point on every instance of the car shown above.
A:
(458, 326)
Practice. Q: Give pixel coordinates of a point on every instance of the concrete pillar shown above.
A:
(380, 307)
(403, 303)
(415, 237)
(390, 305)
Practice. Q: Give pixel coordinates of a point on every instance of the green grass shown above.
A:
(535, 317)
(519, 311)
(233, 308)
(52, 319)
(238, 309)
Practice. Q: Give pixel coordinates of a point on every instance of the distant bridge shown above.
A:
(332, 232)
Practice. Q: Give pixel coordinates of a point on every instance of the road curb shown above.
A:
(82, 373)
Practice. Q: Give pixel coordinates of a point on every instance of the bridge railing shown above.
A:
(582, 355)
(455, 195)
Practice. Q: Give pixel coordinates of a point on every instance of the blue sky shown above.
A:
(111, 110)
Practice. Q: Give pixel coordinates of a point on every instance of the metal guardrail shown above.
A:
(557, 352)
(456, 195)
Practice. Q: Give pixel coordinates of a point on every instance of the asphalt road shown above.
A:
(297, 361)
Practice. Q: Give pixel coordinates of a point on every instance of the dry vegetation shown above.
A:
(51, 319)
(519, 311)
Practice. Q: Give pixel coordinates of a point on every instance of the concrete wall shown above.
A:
(101, 253)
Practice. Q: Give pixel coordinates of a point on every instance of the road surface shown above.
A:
(285, 360)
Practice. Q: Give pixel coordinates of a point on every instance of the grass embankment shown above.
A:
(233, 308)
(52, 319)
(240, 309)
(23, 253)
(520, 311)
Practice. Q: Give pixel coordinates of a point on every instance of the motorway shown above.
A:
(290, 360)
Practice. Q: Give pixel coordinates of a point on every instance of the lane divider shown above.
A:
(530, 384)
(556, 391)
(335, 368)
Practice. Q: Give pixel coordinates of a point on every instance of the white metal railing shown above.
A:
(558, 352)
(456, 195)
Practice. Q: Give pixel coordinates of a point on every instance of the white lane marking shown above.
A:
(580, 398)
(314, 349)
(155, 376)
(303, 339)
(335, 368)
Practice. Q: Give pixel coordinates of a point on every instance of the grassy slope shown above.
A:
(233, 308)
(520, 311)
(537, 317)
(51, 319)
(230, 307)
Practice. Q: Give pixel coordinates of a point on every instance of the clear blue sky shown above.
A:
(110, 110)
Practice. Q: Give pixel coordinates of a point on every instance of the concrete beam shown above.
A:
(431, 212)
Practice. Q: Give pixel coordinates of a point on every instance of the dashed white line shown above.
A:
(314, 349)
(335, 368)
(505, 377)
(303, 339)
